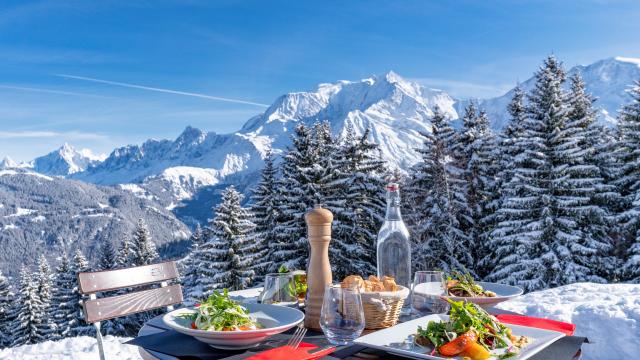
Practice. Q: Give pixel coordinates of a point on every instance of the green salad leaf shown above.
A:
(466, 316)
(221, 313)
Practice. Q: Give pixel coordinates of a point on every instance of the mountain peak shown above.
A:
(7, 163)
(191, 135)
(393, 77)
(64, 161)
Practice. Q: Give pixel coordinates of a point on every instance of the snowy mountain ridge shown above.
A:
(608, 80)
(393, 109)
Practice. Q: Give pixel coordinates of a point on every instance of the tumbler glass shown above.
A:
(427, 293)
(342, 314)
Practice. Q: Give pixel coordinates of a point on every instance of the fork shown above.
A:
(297, 337)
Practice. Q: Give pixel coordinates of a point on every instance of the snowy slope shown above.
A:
(608, 80)
(65, 161)
(607, 314)
(76, 348)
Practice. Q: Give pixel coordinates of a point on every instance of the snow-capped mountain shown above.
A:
(608, 80)
(185, 173)
(394, 109)
(65, 161)
(194, 149)
(172, 172)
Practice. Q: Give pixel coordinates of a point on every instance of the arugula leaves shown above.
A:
(220, 313)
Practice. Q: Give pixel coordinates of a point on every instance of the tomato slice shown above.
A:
(459, 344)
(193, 325)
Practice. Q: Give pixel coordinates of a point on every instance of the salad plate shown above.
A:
(401, 340)
(462, 287)
(225, 324)
(502, 293)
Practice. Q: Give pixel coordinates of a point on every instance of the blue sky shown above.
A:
(249, 52)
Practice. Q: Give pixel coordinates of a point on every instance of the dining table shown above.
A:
(155, 329)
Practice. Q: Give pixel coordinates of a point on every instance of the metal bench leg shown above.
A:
(99, 337)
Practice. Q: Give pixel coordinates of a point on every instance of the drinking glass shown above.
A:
(342, 314)
(427, 293)
(279, 289)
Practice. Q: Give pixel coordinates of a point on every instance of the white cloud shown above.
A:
(72, 135)
(167, 91)
(464, 89)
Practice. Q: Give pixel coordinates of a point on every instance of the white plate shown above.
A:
(503, 292)
(274, 319)
(399, 339)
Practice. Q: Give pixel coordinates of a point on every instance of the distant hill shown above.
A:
(41, 214)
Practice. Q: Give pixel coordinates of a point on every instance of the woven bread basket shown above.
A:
(382, 308)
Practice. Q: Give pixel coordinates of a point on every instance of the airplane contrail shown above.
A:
(168, 91)
(48, 91)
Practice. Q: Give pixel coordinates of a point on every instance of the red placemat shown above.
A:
(536, 322)
(302, 352)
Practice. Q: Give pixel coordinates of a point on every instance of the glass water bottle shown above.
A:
(393, 247)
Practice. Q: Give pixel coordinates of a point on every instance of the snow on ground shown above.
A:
(607, 314)
(77, 348)
(137, 191)
(21, 212)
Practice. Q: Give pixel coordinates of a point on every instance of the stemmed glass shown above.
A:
(279, 289)
(342, 314)
(427, 293)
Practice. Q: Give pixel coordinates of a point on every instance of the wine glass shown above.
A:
(279, 289)
(342, 314)
(427, 293)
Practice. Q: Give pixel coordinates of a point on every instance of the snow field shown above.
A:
(607, 314)
(77, 348)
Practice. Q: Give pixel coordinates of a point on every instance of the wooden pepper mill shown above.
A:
(319, 272)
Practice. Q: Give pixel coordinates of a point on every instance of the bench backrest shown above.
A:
(98, 309)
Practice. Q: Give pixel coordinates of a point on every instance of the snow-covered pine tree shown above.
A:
(540, 210)
(265, 217)
(223, 261)
(510, 146)
(6, 301)
(77, 325)
(475, 154)
(629, 184)
(46, 328)
(299, 189)
(233, 226)
(107, 259)
(143, 250)
(124, 255)
(63, 306)
(28, 311)
(189, 266)
(594, 251)
(436, 233)
(357, 199)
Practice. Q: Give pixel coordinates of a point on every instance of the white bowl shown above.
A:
(503, 293)
(274, 320)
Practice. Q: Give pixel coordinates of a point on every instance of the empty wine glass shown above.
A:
(342, 314)
(279, 289)
(427, 293)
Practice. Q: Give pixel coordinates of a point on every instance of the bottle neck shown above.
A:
(393, 206)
